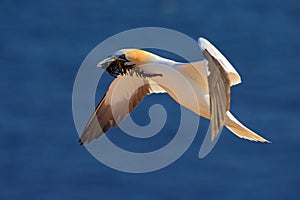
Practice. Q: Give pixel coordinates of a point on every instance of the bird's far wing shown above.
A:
(234, 77)
(122, 96)
(219, 92)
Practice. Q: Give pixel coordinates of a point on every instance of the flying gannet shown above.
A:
(139, 73)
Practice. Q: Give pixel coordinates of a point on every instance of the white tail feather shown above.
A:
(240, 130)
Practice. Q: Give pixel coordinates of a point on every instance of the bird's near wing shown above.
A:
(122, 96)
(221, 75)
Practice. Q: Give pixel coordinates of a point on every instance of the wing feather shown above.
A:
(219, 92)
(121, 98)
(219, 97)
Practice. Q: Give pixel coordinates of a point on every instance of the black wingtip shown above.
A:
(80, 142)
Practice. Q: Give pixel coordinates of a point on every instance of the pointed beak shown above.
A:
(106, 62)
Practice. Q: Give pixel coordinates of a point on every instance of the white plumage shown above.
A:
(203, 87)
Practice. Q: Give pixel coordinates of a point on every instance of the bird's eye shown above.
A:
(123, 57)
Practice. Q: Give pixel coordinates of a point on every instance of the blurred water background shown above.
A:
(42, 44)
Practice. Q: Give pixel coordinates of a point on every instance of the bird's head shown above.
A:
(124, 60)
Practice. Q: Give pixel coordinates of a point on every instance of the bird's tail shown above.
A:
(240, 130)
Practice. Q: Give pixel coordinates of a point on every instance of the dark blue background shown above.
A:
(42, 44)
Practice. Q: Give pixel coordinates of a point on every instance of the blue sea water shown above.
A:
(42, 44)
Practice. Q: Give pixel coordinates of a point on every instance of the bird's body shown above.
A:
(202, 87)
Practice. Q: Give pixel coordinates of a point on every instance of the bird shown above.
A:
(204, 87)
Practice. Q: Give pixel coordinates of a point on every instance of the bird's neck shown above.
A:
(165, 61)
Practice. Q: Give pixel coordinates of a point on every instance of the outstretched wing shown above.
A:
(219, 93)
(122, 96)
(221, 75)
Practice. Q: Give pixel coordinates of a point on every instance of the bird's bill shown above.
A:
(106, 62)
